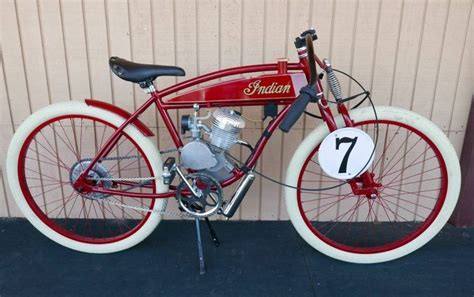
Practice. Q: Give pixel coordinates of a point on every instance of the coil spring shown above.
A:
(334, 85)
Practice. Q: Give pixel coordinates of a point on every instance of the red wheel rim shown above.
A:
(124, 230)
(385, 204)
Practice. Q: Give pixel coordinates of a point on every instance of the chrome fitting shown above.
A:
(150, 89)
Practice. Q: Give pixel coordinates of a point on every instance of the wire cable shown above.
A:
(367, 94)
(344, 182)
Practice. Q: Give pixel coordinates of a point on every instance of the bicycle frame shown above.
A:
(281, 69)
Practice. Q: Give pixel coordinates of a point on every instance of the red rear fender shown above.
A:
(119, 111)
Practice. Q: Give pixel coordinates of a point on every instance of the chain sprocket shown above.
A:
(103, 198)
(210, 197)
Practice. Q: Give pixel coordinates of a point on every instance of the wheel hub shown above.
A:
(94, 178)
(365, 185)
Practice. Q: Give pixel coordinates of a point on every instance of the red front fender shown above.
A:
(119, 111)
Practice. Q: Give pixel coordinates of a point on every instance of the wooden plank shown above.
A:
(253, 35)
(118, 29)
(230, 55)
(54, 54)
(142, 51)
(387, 40)
(358, 62)
(186, 42)
(4, 209)
(208, 15)
(408, 51)
(208, 39)
(448, 73)
(343, 41)
(186, 39)
(404, 71)
(462, 215)
(321, 18)
(6, 132)
(17, 74)
(76, 49)
(386, 50)
(298, 21)
(185, 48)
(365, 42)
(8, 206)
(12, 51)
(164, 45)
(363, 49)
(77, 63)
(61, 48)
(341, 48)
(4, 114)
(30, 36)
(457, 127)
(141, 36)
(429, 60)
(164, 53)
(29, 29)
(119, 43)
(54, 50)
(427, 76)
(231, 37)
(98, 50)
(276, 27)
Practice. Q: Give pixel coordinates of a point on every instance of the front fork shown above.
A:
(364, 184)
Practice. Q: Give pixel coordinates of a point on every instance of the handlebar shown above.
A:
(307, 93)
(297, 108)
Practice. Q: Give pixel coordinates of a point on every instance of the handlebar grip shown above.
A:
(300, 40)
(295, 112)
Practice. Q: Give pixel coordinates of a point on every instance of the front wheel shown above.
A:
(420, 178)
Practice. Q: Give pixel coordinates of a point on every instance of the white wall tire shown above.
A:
(365, 114)
(66, 108)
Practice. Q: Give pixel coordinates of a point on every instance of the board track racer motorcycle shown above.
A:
(368, 185)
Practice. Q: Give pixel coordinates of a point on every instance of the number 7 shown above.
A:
(352, 141)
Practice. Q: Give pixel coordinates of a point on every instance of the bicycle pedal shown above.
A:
(168, 170)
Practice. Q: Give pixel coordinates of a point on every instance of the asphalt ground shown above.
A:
(254, 259)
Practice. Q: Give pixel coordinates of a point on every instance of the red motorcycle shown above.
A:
(367, 185)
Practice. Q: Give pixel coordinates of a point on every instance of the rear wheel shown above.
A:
(49, 152)
(420, 176)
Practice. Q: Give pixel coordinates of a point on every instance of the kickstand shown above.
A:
(199, 244)
(212, 232)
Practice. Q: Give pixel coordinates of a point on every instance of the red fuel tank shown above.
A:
(278, 88)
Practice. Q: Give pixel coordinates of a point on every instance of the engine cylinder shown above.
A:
(226, 126)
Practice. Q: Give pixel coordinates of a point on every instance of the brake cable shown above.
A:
(365, 92)
(325, 188)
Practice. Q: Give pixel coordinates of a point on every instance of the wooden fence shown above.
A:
(413, 54)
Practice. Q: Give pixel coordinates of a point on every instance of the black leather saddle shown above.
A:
(143, 74)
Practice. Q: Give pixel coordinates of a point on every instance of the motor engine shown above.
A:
(207, 154)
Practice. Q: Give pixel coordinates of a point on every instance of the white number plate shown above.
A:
(346, 153)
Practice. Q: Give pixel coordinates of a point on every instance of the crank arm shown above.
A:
(186, 182)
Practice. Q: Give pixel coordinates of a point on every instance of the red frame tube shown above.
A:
(163, 107)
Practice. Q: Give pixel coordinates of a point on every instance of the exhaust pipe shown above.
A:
(238, 195)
